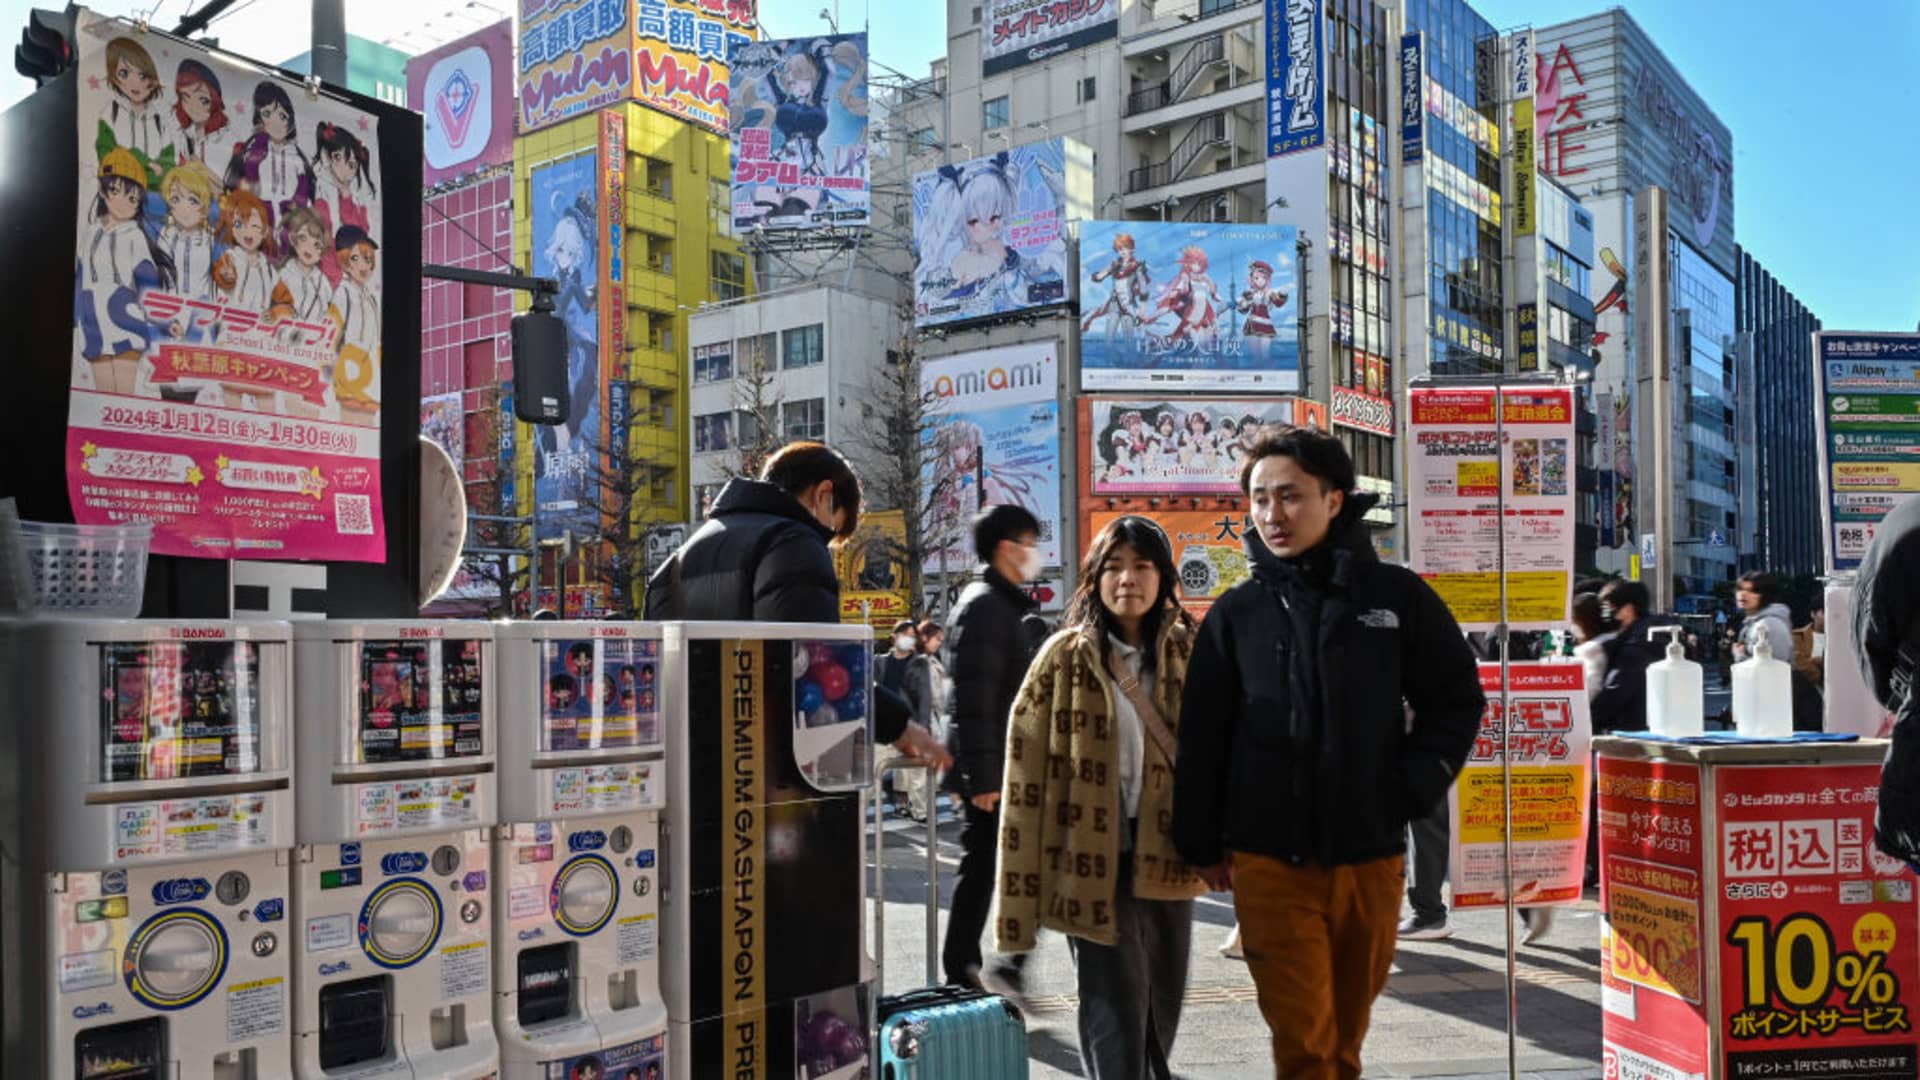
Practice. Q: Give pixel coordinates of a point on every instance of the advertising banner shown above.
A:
(1548, 732)
(872, 568)
(1192, 307)
(680, 52)
(1296, 76)
(1020, 32)
(226, 364)
(443, 420)
(1520, 75)
(989, 234)
(464, 89)
(800, 133)
(1209, 550)
(1819, 961)
(566, 243)
(579, 55)
(993, 437)
(1413, 111)
(1652, 939)
(1460, 473)
(1868, 387)
(1189, 446)
(613, 310)
(1362, 411)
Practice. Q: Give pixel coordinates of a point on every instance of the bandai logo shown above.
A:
(532, 935)
(403, 862)
(88, 1012)
(610, 631)
(338, 967)
(181, 890)
(200, 633)
(422, 632)
(270, 910)
(590, 840)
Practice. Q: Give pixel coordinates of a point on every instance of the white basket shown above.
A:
(81, 571)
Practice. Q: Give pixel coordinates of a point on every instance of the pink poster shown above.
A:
(227, 295)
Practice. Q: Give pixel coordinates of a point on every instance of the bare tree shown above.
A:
(757, 431)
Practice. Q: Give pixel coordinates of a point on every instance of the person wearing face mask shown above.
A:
(890, 670)
(991, 644)
(762, 556)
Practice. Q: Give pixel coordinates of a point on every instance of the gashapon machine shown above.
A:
(769, 749)
(576, 886)
(148, 823)
(392, 900)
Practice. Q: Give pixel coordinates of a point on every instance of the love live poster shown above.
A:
(226, 364)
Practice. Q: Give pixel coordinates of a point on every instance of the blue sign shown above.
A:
(350, 853)
(590, 840)
(181, 890)
(270, 910)
(1869, 400)
(396, 863)
(1413, 98)
(113, 883)
(1296, 76)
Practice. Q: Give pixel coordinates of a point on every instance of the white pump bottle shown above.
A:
(1763, 695)
(1676, 691)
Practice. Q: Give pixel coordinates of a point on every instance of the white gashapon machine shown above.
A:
(576, 897)
(148, 816)
(392, 900)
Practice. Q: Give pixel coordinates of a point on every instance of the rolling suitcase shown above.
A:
(942, 1032)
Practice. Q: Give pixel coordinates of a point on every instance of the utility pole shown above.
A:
(330, 42)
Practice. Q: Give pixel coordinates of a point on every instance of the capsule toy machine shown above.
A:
(765, 965)
(576, 886)
(149, 824)
(392, 898)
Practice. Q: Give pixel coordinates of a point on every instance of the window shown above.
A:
(747, 424)
(755, 354)
(800, 346)
(923, 140)
(703, 496)
(995, 113)
(805, 419)
(713, 431)
(1084, 92)
(713, 363)
(729, 276)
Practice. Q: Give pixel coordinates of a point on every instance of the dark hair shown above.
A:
(1319, 455)
(929, 629)
(1621, 593)
(1003, 522)
(270, 93)
(1587, 617)
(798, 466)
(162, 261)
(1818, 603)
(1087, 613)
(906, 626)
(1765, 585)
(331, 138)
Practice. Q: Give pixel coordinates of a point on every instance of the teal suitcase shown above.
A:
(951, 1033)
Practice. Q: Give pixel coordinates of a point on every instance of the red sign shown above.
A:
(1559, 113)
(1362, 411)
(1820, 943)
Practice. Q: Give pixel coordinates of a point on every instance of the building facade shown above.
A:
(1780, 450)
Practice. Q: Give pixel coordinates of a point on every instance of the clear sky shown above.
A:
(1814, 95)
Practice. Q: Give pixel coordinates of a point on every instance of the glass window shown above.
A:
(712, 432)
(755, 353)
(1086, 90)
(800, 346)
(729, 275)
(994, 113)
(805, 419)
(713, 363)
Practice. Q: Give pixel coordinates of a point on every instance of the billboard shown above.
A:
(613, 309)
(226, 365)
(443, 419)
(1193, 307)
(1413, 111)
(1868, 389)
(566, 244)
(1188, 446)
(993, 437)
(680, 51)
(875, 586)
(579, 55)
(799, 111)
(989, 234)
(464, 90)
(1027, 31)
(1296, 76)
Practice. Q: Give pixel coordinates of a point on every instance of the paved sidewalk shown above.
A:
(1443, 1013)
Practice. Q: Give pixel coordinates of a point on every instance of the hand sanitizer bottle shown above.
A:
(1763, 695)
(1676, 691)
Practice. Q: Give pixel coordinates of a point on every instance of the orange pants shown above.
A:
(1320, 943)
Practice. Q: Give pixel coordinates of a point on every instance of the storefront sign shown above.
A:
(1526, 321)
(1413, 111)
(464, 89)
(1363, 412)
(1020, 32)
(1869, 417)
(613, 314)
(1520, 60)
(1296, 64)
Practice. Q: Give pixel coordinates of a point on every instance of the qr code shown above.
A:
(353, 515)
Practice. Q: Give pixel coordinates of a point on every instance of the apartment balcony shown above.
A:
(1211, 154)
(1217, 72)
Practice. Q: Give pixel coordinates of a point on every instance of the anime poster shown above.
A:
(800, 133)
(227, 293)
(565, 227)
(1192, 307)
(442, 420)
(994, 437)
(1186, 446)
(989, 234)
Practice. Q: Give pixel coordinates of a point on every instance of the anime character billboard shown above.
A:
(989, 235)
(566, 478)
(1186, 446)
(227, 295)
(799, 125)
(1188, 307)
(994, 438)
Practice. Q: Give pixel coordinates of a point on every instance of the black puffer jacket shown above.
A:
(1886, 621)
(760, 557)
(992, 637)
(1295, 741)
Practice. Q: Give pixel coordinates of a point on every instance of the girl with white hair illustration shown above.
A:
(967, 260)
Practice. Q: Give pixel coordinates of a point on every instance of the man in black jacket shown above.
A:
(1886, 635)
(1621, 704)
(762, 557)
(1330, 700)
(991, 639)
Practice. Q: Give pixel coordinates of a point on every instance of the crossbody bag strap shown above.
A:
(1150, 720)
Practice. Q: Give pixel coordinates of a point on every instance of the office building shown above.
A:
(1779, 448)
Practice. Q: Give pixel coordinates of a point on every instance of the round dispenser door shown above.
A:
(400, 923)
(584, 894)
(176, 958)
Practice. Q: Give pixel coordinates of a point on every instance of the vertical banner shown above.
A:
(1867, 387)
(743, 784)
(613, 315)
(872, 568)
(1296, 76)
(1820, 945)
(1520, 76)
(1547, 732)
(800, 133)
(1460, 472)
(226, 364)
(443, 419)
(1526, 322)
(994, 438)
(1413, 106)
(566, 242)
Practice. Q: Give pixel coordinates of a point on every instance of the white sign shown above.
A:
(1362, 411)
(460, 120)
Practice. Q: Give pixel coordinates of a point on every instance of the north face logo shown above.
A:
(1380, 619)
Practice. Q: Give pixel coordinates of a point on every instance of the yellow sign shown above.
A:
(1655, 941)
(1523, 179)
(743, 863)
(1548, 801)
(1533, 596)
(1876, 476)
(872, 567)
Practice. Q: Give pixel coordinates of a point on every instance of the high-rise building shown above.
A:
(1780, 450)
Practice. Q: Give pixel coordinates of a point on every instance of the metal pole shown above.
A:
(330, 42)
(1506, 730)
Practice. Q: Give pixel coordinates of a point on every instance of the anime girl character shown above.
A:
(1228, 441)
(117, 264)
(1129, 278)
(1190, 298)
(1259, 303)
(356, 310)
(270, 164)
(134, 115)
(190, 191)
(301, 294)
(243, 274)
(571, 255)
(343, 189)
(199, 110)
(796, 108)
(970, 260)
